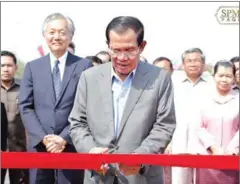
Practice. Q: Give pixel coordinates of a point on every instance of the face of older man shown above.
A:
(124, 52)
(193, 65)
(58, 36)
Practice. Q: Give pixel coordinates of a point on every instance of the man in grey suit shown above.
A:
(125, 104)
(47, 94)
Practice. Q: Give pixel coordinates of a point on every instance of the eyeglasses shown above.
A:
(130, 53)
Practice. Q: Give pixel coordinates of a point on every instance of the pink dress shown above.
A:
(218, 125)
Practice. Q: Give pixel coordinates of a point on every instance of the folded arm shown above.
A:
(207, 141)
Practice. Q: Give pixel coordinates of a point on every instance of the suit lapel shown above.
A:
(68, 71)
(105, 85)
(138, 85)
(47, 74)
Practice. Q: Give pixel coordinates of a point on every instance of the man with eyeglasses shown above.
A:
(137, 108)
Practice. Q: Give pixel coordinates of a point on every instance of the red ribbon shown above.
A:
(93, 161)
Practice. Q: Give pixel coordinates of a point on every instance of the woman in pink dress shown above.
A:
(218, 131)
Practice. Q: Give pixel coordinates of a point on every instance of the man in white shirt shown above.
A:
(189, 88)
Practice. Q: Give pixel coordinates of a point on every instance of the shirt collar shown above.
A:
(223, 99)
(186, 79)
(114, 75)
(62, 59)
(15, 82)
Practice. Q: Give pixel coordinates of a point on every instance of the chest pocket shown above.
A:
(13, 103)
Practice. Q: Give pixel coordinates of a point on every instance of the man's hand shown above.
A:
(217, 150)
(55, 143)
(168, 150)
(45, 141)
(129, 170)
(98, 150)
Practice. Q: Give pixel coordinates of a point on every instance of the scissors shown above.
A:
(114, 170)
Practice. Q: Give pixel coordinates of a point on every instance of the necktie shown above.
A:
(56, 79)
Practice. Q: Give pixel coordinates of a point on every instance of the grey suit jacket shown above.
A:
(147, 123)
(41, 113)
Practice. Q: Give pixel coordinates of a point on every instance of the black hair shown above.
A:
(94, 59)
(225, 64)
(159, 59)
(235, 59)
(104, 53)
(9, 54)
(123, 23)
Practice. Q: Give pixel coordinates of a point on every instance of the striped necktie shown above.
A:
(57, 80)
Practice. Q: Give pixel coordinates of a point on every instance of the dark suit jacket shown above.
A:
(4, 128)
(41, 113)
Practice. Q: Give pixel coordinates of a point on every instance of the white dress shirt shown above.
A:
(62, 62)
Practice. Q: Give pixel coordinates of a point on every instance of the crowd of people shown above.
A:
(116, 101)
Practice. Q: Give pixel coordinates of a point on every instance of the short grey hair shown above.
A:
(56, 16)
(194, 50)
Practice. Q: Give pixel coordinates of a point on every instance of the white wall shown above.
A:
(171, 27)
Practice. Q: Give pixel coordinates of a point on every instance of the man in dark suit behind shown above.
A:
(47, 94)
